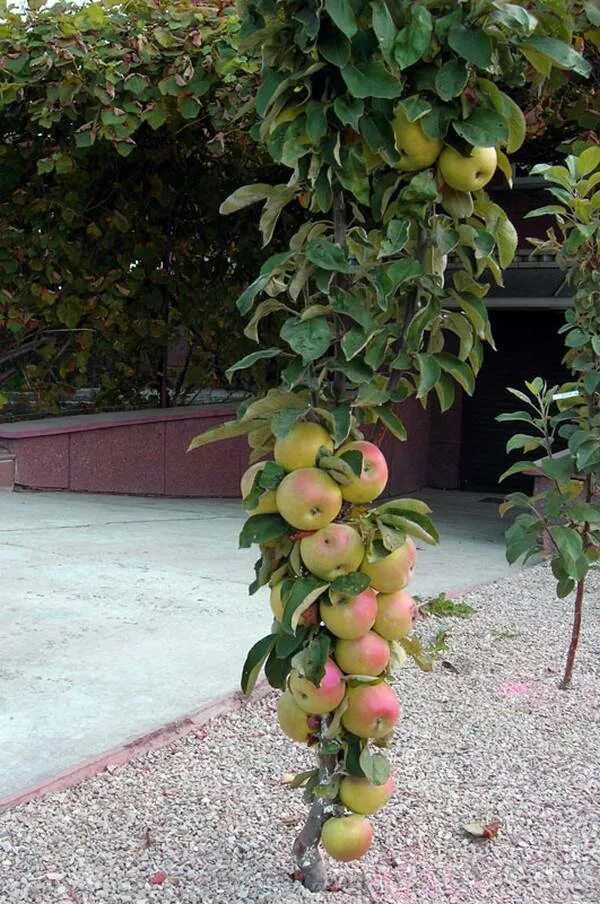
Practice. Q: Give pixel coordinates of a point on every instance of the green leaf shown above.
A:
(315, 657)
(414, 648)
(375, 766)
(255, 661)
(523, 441)
(561, 54)
(393, 536)
(472, 44)
(343, 15)
(304, 592)
(349, 110)
(393, 423)
(559, 468)
(483, 128)
(246, 299)
(413, 40)
(371, 79)
(189, 107)
(568, 541)
(517, 468)
(327, 255)
(400, 272)
(228, 430)
(588, 161)
(507, 240)
(251, 359)
(261, 529)
(384, 28)
(429, 374)
(451, 79)
(308, 338)
(457, 369)
(283, 421)
(350, 584)
(342, 422)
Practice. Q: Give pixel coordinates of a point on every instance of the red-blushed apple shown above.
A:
(372, 712)
(373, 477)
(308, 499)
(350, 617)
(333, 551)
(347, 838)
(320, 699)
(468, 173)
(266, 503)
(394, 571)
(310, 617)
(362, 796)
(367, 655)
(293, 721)
(300, 447)
(396, 614)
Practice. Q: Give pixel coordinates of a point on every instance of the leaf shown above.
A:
(308, 338)
(561, 54)
(517, 468)
(375, 766)
(246, 299)
(304, 592)
(229, 430)
(371, 79)
(451, 79)
(283, 421)
(391, 420)
(460, 371)
(269, 306)
(254, 662)
(459, 204)
(350, 584)
(568, 541)
(429, 374)
(251, 359)
(402, 506)
(315, 657)
(414, 39)
(559, 468)
(483, 128)
(327, 255)
(507, 240)
(523, 441)
(342, 422)
(392, 537)
(414, 648)
(244, 196)
(343, 15)
(261, 528)
(349, 111)
(472, 44)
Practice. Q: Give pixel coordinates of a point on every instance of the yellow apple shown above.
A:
(468, 173)
(320, 699)
(308, 499)
(394, 571)
(396, 614)
(417, 151)
(372, 712)
(266, 503)
(362, 796)
(299, 448)
(347, 838)
(367, 655)
(293, 721)
(333, 551)
(350, 617)
(373, 477)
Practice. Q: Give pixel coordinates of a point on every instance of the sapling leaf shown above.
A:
(255, 660)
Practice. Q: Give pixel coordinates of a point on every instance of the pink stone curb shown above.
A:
(123, 753)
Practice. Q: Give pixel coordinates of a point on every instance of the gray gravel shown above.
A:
(497, 740)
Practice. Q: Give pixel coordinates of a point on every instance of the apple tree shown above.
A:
(391, 118)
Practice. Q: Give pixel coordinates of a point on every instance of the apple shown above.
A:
(293, 721)
(468, 173)
(350, 617)
(374, 475)
(347, 837)
(394, 571)
(396, 614)
(320, 699)
(333, 551)
(417, 151)
(367, 655)
(308, 499)
(310, 617)
(299, 448)
(362, 796)
(266, 503)
(372, 712)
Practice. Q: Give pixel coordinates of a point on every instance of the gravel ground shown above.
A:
(207, 819)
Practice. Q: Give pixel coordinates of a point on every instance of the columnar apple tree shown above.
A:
(392, 117)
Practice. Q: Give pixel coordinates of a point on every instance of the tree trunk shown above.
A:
(565, 683)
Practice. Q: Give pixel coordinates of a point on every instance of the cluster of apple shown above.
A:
(361, 627)
(418, 151)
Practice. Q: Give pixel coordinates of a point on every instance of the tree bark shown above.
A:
(566, 681)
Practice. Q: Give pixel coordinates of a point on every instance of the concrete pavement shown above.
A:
(120, 614)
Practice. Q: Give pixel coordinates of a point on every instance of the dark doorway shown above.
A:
(528, 346)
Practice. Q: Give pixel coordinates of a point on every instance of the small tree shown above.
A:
(565, 421)
(391, 117)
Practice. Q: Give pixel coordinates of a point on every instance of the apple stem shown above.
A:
(306, 846)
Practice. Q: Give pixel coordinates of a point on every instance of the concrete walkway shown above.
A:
(120, 614)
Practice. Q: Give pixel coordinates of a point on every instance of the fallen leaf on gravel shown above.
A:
(445, 664)
(483, 829)
(157, 878)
